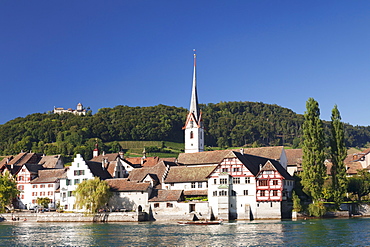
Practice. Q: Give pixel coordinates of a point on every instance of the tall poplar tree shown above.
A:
(313, 166)
(338, 153)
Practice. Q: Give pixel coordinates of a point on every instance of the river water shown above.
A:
(317, 232)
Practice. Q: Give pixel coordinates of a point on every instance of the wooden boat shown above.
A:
(200, 222)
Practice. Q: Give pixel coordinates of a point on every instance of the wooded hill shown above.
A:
(226, 124)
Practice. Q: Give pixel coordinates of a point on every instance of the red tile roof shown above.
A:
(166, 195)
(267, 152)
(202, 158)
(122, 184)
(179, 174)
(49, 175)
(294, 156)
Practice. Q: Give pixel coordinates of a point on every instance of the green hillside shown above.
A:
(159, 129)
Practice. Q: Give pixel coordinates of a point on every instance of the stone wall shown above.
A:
(78, 217)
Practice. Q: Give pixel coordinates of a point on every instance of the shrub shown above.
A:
(317, 209)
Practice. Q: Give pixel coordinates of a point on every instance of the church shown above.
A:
(239, 185)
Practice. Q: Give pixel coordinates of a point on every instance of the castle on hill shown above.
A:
(78, 111)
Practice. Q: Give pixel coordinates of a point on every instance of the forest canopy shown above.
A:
(226, 124)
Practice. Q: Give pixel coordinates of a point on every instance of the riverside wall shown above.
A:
(77, 217)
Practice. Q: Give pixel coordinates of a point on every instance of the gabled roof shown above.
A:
(49, 175)
(49, 161)
(294, 156)
(139, 161)
(202, 158)
(34, 168)
(179, 174)
(166, 195)
(267, 152)
(13, 169)
(97, 170)
(352, 168)
(123, 184)
(5, 160)
(107, 157)
(357, 156)
(273, 165)
(156, 172)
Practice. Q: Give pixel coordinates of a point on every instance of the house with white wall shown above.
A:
(79, 171)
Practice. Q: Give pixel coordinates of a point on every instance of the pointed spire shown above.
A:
(194, 108)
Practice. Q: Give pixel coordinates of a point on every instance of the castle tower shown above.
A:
(194, 132)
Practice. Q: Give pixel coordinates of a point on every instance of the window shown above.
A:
(263, 182)
(268, 172)
(275, 182)
(233, 193)
(225, 169)
(20, 178)
(248, 180)
(206, 184)
(214, 181)
(236, 180)
(274, 193)
(222, 193)
(50, 185)
(22, 196)
(192, 184)
(262, 193)
(223, 180)
(156, 205)
(191, 135)
(68, 182)
(79, 172)
(42, 186)
(21, 187)
(169, 205)
(245, 192)
(69, 193)
(172, 184)
(235, 169)
(200, 185)
(33, 201)
(77, 181)
(34, 186)
(214, 193)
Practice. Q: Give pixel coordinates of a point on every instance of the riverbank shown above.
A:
(75, 217)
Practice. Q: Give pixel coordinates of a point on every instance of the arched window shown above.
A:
(191, 135)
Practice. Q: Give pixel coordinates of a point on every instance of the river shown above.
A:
(312, 232)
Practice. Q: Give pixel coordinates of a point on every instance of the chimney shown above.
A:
(242, 151)
(260, 167)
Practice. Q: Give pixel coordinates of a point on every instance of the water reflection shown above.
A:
(329, 232)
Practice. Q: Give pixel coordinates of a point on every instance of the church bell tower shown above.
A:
(194, 131)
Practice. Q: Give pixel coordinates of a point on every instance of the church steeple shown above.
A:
(194, 108)
(194, 132)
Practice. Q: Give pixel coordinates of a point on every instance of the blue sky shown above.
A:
(139, 53)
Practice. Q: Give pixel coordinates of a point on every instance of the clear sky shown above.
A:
(140, 53)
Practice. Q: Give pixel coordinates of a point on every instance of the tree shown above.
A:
(92, 194)
(359, 184)
(338, 153)
(43, 201)
(313, 147)
(8, 190)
